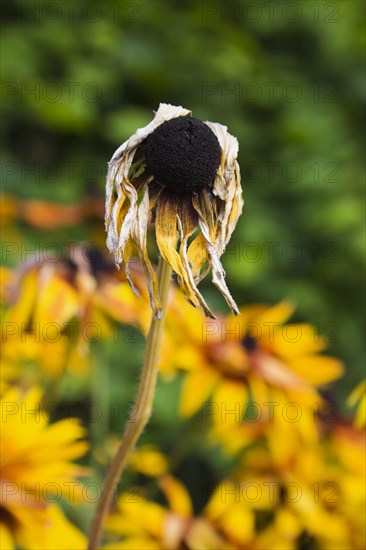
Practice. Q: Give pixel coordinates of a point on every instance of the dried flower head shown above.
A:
(185, 173)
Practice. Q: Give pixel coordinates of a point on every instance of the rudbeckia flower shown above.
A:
(320, 484)
(146, 525)
(37, 471)
(184, 172)
(258, 361)
(54, 310)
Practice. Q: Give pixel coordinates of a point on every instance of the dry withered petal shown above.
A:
(185, 171)
(183, 154)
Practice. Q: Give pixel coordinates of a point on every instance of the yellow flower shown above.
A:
(146, 459)
(56, 309)
(37, 472)
(255, 369)
(40, 529)
(264, 504)
(320, 485)
(146, 525)
(185, 171)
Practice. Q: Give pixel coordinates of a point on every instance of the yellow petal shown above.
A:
(177, 496)
(238, 523)
(148, 460)
(293, 340)
(55, 531)
(224, 495)
(197, 387)
(58, 302)
(360, 417)
(358, 395)
(134, 543)
(202, 535)
(317, 369)
(231, 397)
(22, 310)
(6, 539)
(259, 390)
(276, 315)
(142, 514)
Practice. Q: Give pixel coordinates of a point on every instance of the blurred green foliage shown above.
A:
(285, 77)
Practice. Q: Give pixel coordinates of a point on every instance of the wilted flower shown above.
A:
(185, 172)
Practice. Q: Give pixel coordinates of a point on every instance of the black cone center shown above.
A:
(249, 342)
(183, 154)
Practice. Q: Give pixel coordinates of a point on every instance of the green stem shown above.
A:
(144, 402)
(100, 393)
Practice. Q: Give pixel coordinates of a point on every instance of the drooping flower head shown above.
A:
(185, 173)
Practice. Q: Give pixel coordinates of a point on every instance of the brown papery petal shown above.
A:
(166, 238)
(188, 222)
(201, 203)
(139, 232)
(198, 257)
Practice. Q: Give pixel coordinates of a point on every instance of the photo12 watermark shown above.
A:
(214, 331)
(91, 412)
(269, 93)
(270, 12)
(269, 492)
(88, 332)
(269, 412)
(53, 492)
(73, 12)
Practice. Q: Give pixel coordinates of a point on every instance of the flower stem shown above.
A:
(143, 408)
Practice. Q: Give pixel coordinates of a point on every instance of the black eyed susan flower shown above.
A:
(183, 174)
(37, 470)
(152, 526)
